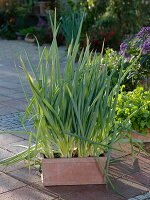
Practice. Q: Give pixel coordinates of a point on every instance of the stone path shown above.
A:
(18, 183)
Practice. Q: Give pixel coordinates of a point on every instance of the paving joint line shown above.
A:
(13, 189)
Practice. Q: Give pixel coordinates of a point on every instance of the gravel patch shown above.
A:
(12, 122)
(142, 197)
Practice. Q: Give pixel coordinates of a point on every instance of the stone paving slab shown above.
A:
(8, 183)
(87, 192)
(7, 110)
(92, 192)
(18, 95)
(6, 169)
(4, 153)
(4, 98)
(14, 103)
(27, 176)
(21, 135)
(129, 187)
(7, 91)
(27, 193)
(7, 138)
(17, 146)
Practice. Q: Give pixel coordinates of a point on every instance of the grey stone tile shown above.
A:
(8, 183)
(85, 192)
(6, 139)
(138, 162)
(27, 175)
(5, 110)
(142, 177)
(143, 161)
(9, 86)
(4, 98)
(21, 135)
(6, 91)
(10, 168)
(18, 105)
(17, 147)
(119, 169)
(21, 106)
(13, 102)
(129, 187)
(125, 150)
(27, 193)
(20, 95)
(4, 153)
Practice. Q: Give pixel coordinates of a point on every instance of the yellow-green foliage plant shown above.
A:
(135, 104)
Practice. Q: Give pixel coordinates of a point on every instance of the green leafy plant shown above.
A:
(70, 25)
(7, 28)
(113, 60)
(129, 103)
(15, 18)
(117, 21)
(43, 35)
(73, 111)
(25, 31)
(105, 29)
(92, 9)
(7, 31)
(127, 12)
(22, 17)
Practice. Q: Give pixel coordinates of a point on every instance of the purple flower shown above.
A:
(146, 46)
(123, 48)
(144, 32)
(127, 55)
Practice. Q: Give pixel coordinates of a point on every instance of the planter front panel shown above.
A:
(73, 171)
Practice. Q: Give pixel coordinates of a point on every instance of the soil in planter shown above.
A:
(74, 155)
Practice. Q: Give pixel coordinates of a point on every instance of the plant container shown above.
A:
(73, 171)
(30, 38)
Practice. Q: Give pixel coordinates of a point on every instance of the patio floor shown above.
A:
(130, 177)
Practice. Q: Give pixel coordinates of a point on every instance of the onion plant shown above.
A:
(70, 25)
(73, 111)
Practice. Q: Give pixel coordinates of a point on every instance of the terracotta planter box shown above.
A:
(73, 171)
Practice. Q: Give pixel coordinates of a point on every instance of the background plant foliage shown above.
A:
(113, 60)
(116, 20)
(130, 102)
(111, 20)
